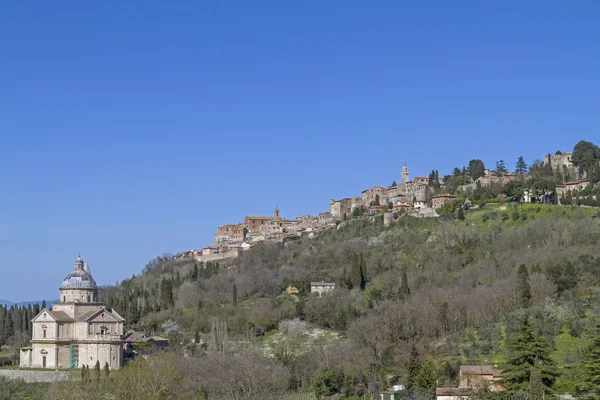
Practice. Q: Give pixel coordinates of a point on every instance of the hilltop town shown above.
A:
(419, 197)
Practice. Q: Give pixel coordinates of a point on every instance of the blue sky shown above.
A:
(131, 130)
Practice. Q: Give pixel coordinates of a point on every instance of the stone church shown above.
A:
(78, 330)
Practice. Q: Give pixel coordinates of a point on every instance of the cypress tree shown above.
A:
(234, 295)
(404, 291)
(43, 304)
(461, 214)
(412, 367)
(106, 370)
(355, 275)
(525, 351)
(523, 287)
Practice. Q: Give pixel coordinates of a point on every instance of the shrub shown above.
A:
(504, 216)
(515, 215)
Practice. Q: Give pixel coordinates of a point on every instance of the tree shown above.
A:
(355, 275)
(525, 351)
(106, 370)
(194, 274)
(523, 287)
(404, 291)
(476, 169)
(586, 157)
(521, 166)
(43, 304)
(461, 214)
(394, 183)
(234, 295)
(166, 293)
(97, 370)
(590, 366)
(412, 367)
(500, 168)
(363, 270)
(536, 386)
(426, 378)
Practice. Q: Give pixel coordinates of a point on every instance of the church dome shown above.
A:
(79, 277)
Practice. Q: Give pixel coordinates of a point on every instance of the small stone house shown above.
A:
(321, 288)
(439, 200)
(472, 378)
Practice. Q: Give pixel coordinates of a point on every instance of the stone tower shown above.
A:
(277, 212)
(405, 174)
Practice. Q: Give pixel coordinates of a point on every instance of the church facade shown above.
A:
(76, 331)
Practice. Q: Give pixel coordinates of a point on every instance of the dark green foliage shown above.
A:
(166, 293)
(523, 287)
(235, 295)
(521, 166)
(586, 157)
(106, 370)
(412, 367)
(461, 214)
(589, 367)
(563, 274)
(476, 169)
(536, 390)
(500, 168)
(426, 378)
(404, 290)
(515, 215)
(525, 351)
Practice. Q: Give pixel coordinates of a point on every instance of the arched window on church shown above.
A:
(103, 330)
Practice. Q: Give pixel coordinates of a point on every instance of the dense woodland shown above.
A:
(496, 283)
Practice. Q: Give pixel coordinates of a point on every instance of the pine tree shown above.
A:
(590, 366)
(404, 291)
(521, 166)
(536, 386)
(412, 367)
(526, 350)
(523, 287)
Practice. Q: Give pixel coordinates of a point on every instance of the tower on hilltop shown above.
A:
(277, 212)
(405, 174)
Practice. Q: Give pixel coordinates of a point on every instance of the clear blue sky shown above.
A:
(131, 129)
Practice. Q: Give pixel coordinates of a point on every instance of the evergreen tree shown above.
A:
(523, 287)
(355, 275)
(461, 214)
(412, 367)
(426, 378)
(590, 367)
(43, 304)
(404, 290)
(234, 295)
(97, 370)
(166, 293)
(521, 166)
(197, 336)
(500, 168)
(525, 351)
(363, 270)
(194, 274)
(476, 169)
(536, 386)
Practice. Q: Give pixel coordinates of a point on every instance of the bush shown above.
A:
(515, 215)
(485, 217)
(504, 216)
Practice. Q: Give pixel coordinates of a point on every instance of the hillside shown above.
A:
(458, 304)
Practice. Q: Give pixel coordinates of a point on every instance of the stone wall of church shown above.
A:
(78, 295)
(39, 351)
(104, 353)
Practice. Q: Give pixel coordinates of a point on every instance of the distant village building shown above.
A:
(577, 184)
(78, 330)
(401, 206)
(439, 200)
(137, 341)
(321, 288)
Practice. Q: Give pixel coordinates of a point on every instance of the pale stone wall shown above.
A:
(78, 295)
(37, 376)
(217, 256)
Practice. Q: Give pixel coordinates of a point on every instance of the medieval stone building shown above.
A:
(78, 330)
